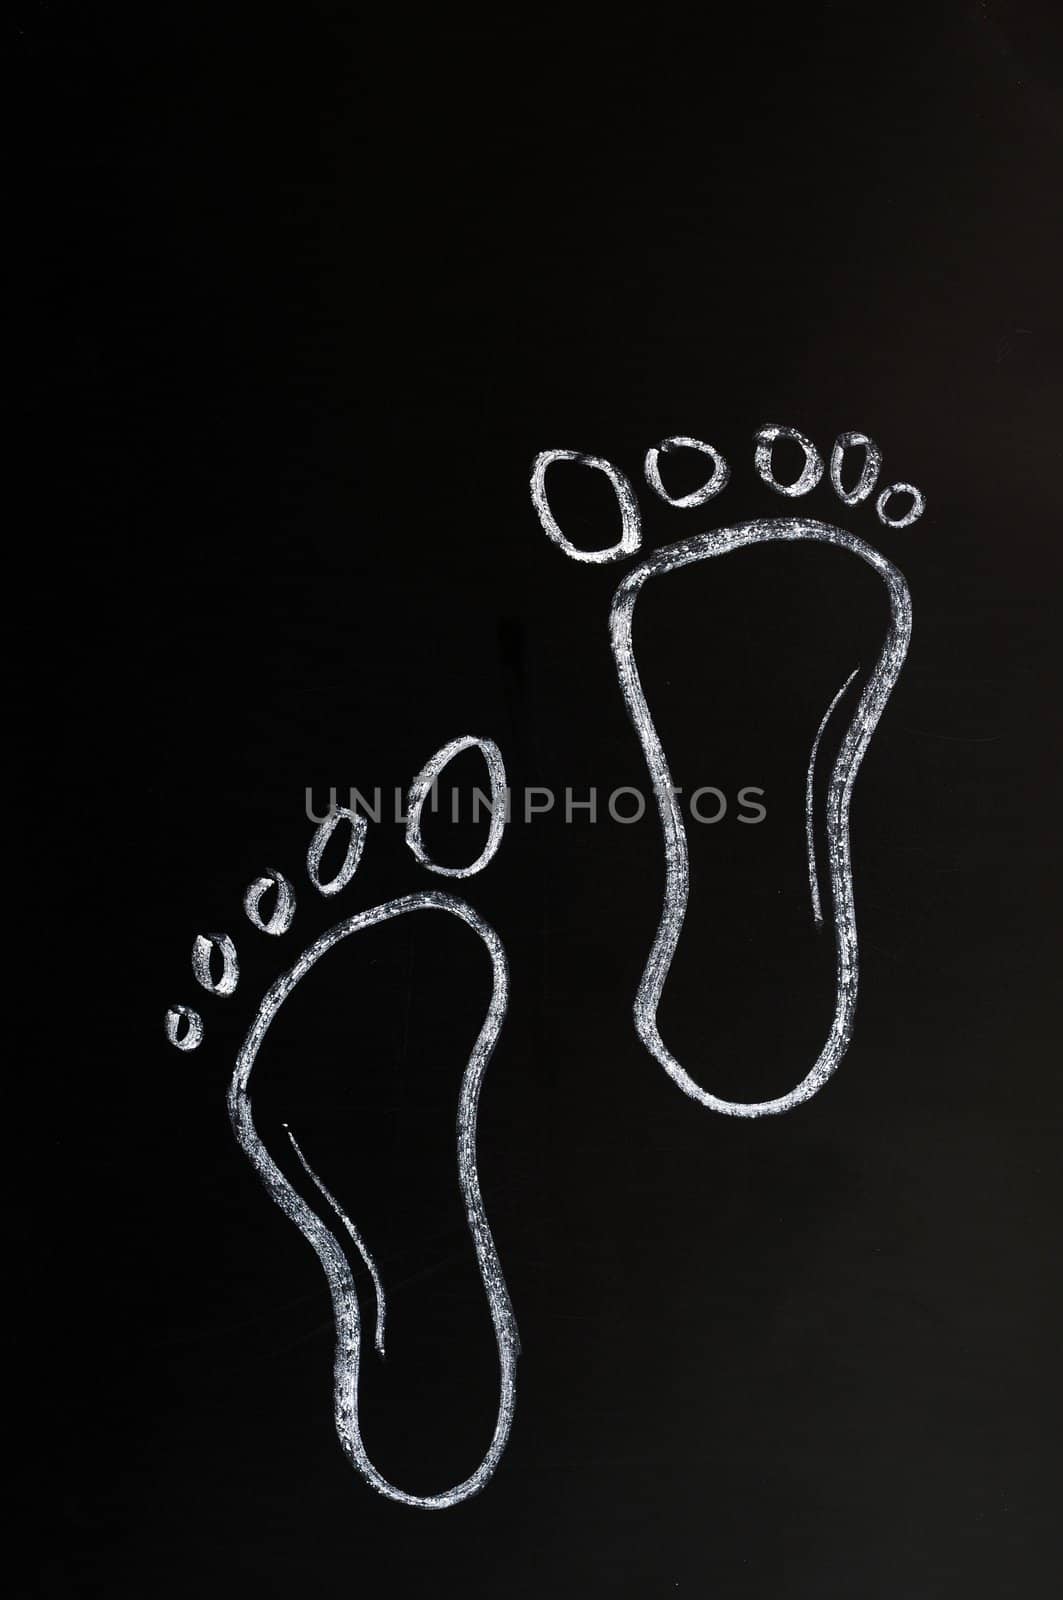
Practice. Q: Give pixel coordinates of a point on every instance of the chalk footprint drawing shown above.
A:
(270, 902)
(893, 513)
(270, 905)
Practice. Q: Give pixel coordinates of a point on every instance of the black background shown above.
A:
(308, 290)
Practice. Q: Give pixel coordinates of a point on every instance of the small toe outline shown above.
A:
(916, 510)
(280, 919)
(201, 953)
(721, 472)
(869, 473)
(192, 1037)
(355, 846)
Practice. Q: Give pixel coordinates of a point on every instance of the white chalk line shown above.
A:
(359, 1242)
(326, 1247)
(854, 745)
(422, 786)
(810, 780)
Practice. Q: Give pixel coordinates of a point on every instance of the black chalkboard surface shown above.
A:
(311, 292)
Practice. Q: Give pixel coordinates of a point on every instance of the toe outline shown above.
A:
(355, 845)
(868, 474)
(811, 472)
(721, 472)
(192, 1037)
(283, 911)
(915, 511)
(201, 953)
(422, 787)
(630, 519)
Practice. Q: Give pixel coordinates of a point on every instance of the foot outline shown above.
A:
(184, 1029)
(865, 719)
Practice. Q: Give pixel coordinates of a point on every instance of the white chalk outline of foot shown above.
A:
(332, 1257)
(343, 1292)
(868, 711)
(872, 702)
